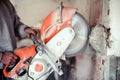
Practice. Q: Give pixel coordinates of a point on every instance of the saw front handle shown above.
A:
(34, 39)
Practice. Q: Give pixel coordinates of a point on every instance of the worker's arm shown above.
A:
(21, 30)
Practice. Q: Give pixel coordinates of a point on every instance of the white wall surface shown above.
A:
(115, 27)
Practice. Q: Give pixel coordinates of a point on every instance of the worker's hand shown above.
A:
(29, 31)
(8, 58)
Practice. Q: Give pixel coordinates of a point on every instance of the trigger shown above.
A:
(11, 66)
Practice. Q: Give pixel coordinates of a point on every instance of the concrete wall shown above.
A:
(111, 66)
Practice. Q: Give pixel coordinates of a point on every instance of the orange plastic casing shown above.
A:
(51, 24)
(23, 54)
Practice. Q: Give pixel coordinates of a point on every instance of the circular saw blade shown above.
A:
(80, 40)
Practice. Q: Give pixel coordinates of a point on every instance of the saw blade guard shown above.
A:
(55, 22)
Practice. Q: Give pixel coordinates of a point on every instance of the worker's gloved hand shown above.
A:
(8, 58)
(29, 31)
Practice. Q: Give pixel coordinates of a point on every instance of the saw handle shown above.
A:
(11, 66)
(34, 39)
(60, 13)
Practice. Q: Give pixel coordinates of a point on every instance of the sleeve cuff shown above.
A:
(0, 56)
(22, 31)
(1, 65)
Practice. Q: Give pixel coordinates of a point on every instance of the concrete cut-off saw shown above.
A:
(64, 32)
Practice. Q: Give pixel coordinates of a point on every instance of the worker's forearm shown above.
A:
(21, 31)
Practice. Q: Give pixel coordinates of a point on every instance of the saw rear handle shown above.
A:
(22, 70)
(11, 66)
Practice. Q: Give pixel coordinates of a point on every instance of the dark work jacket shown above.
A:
(10, 26)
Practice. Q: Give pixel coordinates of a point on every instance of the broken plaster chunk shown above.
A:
(98, 38)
